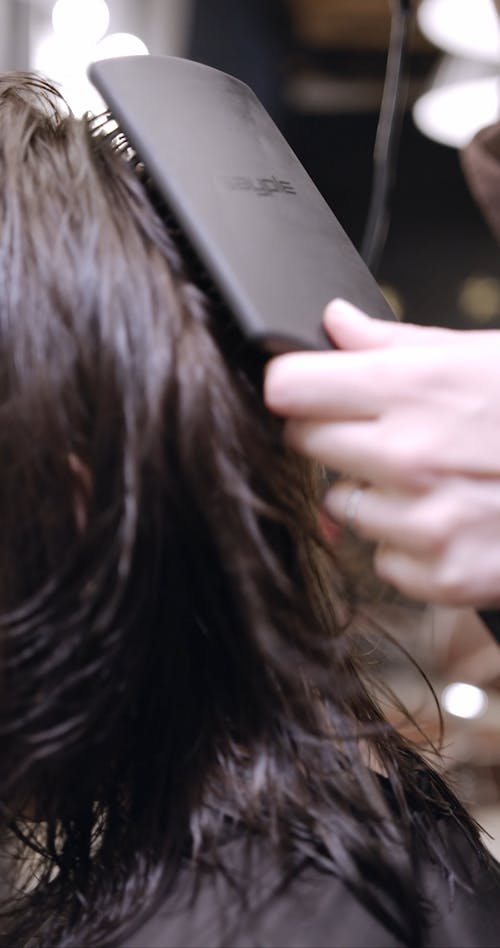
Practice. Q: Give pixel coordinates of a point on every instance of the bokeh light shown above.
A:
(83, 22)
(464, 701)
(120, 44)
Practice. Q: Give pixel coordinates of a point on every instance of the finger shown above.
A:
(339, 446)
(443, 580)
(412, 576)
(428, 579)
(332, 385)
(381, 516)
(350, 328)
(352, 448)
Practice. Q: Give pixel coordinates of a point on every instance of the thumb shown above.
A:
(350, 328)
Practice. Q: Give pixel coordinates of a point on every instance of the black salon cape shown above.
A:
(318, 911)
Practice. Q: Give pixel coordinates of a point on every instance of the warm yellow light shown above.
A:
(479, 299)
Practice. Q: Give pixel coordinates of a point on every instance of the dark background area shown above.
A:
(441, 262)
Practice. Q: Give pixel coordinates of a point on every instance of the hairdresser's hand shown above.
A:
(414, 415)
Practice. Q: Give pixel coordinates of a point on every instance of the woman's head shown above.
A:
(172, 635)
(150, 517)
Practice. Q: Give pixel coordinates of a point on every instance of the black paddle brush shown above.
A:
(259, 227)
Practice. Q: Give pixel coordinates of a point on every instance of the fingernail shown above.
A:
(342, 308)
(276, 388)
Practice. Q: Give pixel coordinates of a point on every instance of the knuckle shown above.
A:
(436, 526)
(410, 462)
(405, 461)
(431, 533)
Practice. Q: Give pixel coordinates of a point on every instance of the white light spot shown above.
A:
(80, 21)
(464, 701)
(120, 44)
(453, 114)
(67, 68)
(466, 28)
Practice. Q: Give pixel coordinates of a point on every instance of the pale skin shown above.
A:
(413, 414)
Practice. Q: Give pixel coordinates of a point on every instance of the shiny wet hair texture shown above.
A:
(175, 657)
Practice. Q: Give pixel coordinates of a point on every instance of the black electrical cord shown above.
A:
(388, 136)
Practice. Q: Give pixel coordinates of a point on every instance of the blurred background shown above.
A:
(318, 66)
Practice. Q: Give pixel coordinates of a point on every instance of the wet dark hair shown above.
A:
(175, 653)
